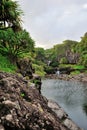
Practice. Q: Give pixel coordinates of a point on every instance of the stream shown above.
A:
(72, 96)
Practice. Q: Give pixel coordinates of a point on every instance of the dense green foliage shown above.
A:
(60, 50)
(70, 54)
(40, 53)
(6, 65)
(63, 60)
(81, 48)
(10, 15)
(39, 69)
(14, 41)
(14, 44)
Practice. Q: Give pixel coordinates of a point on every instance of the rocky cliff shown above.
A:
(22, 107)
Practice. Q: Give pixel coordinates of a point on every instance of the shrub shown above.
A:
(63, 60)
(75, 72)
(5, 65)
(39, 69)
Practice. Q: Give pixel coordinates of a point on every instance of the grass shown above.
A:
(78, 67)
(75, 72)
(5, 65)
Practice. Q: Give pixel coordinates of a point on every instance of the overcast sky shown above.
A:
(50, 22)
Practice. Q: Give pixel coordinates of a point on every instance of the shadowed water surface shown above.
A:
(72, 96)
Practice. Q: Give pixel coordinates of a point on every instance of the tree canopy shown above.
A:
(14, 40)
(10, 14)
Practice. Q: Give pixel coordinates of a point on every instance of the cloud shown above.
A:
(52, 21)
(85, 6)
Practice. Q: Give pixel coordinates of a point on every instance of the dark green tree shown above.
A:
(13, 39)
(10, 15)
(40, 54)
(81, 48)
(14, 44)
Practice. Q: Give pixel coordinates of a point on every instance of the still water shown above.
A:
(72, 96)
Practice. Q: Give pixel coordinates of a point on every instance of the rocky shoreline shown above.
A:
(22, 107)
(63, 116)
(82, 77)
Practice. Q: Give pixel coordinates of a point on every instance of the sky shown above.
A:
(50, 22)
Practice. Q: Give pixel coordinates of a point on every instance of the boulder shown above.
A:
(25, 67)
(37, 81)
(62, 115)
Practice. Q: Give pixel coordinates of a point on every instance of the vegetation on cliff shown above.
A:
(69, 54)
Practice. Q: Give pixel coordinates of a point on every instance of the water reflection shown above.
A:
(85, 108)
(72, 96)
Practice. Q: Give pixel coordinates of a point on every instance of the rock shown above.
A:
(23, 108)
(71, 125)
(37, 81)
(82, 77)
(9, 118)
(63, 116)
(57, 109)
(25, 67)
(27, 71)
(1, 127)
(11, 104)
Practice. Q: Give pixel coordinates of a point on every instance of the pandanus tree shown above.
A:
(10, 14)
(14, 44)
(13, 39)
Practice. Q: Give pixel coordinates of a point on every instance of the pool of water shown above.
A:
(72, 96)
